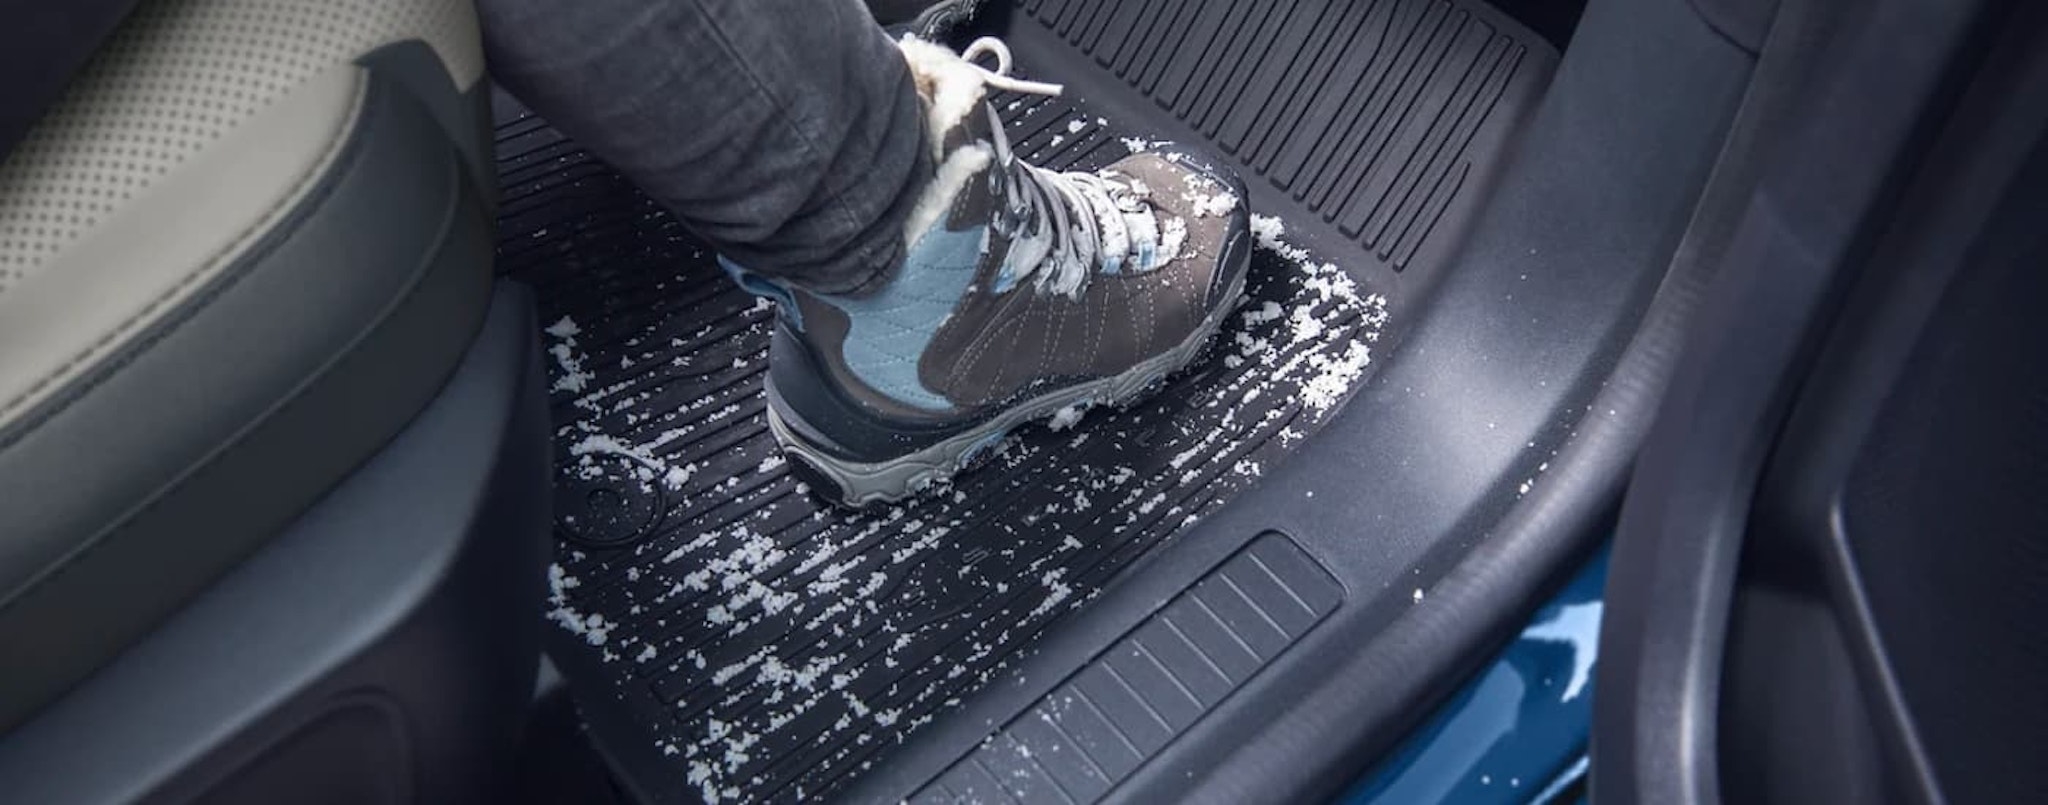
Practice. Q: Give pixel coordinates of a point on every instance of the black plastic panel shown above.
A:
(1744, 657)
(1091, 731)
(381, 649)
(1907, 505)
(1947, 515)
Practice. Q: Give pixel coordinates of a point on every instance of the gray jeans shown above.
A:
(787, 133)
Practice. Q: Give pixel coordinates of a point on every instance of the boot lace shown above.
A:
(1071, 224)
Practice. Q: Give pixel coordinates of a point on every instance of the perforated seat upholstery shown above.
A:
(246, 247)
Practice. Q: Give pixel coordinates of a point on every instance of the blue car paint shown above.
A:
(1519, 731)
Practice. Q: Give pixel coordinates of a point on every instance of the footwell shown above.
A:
(768, 644)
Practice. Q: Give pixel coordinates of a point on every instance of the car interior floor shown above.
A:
(1102, 589)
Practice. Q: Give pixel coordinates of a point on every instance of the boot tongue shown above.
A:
(979, 125)
(975, 167)
(1109, 227)
(975, 173)
(1052, 226)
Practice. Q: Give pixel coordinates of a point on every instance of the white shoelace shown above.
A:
(1120, 230)
(1000, 77)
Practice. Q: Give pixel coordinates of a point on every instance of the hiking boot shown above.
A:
(1024, 293)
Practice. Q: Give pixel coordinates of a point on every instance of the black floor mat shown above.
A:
(732, 636)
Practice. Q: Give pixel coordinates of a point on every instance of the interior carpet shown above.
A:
(734, 637)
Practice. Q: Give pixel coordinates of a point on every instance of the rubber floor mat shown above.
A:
(734, 637)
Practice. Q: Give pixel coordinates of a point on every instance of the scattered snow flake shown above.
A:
(565, 328)
(573, 378)
(1213, 205)
(1057, 590)
(1335, 378)
(1067, 417)
(1267, 311)
(592, 627)
(1267, 230)
(1173, 236)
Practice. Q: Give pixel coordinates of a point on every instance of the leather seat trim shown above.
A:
(168, 545)
(90, 365)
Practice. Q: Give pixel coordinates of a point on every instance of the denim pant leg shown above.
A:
(787, 133)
